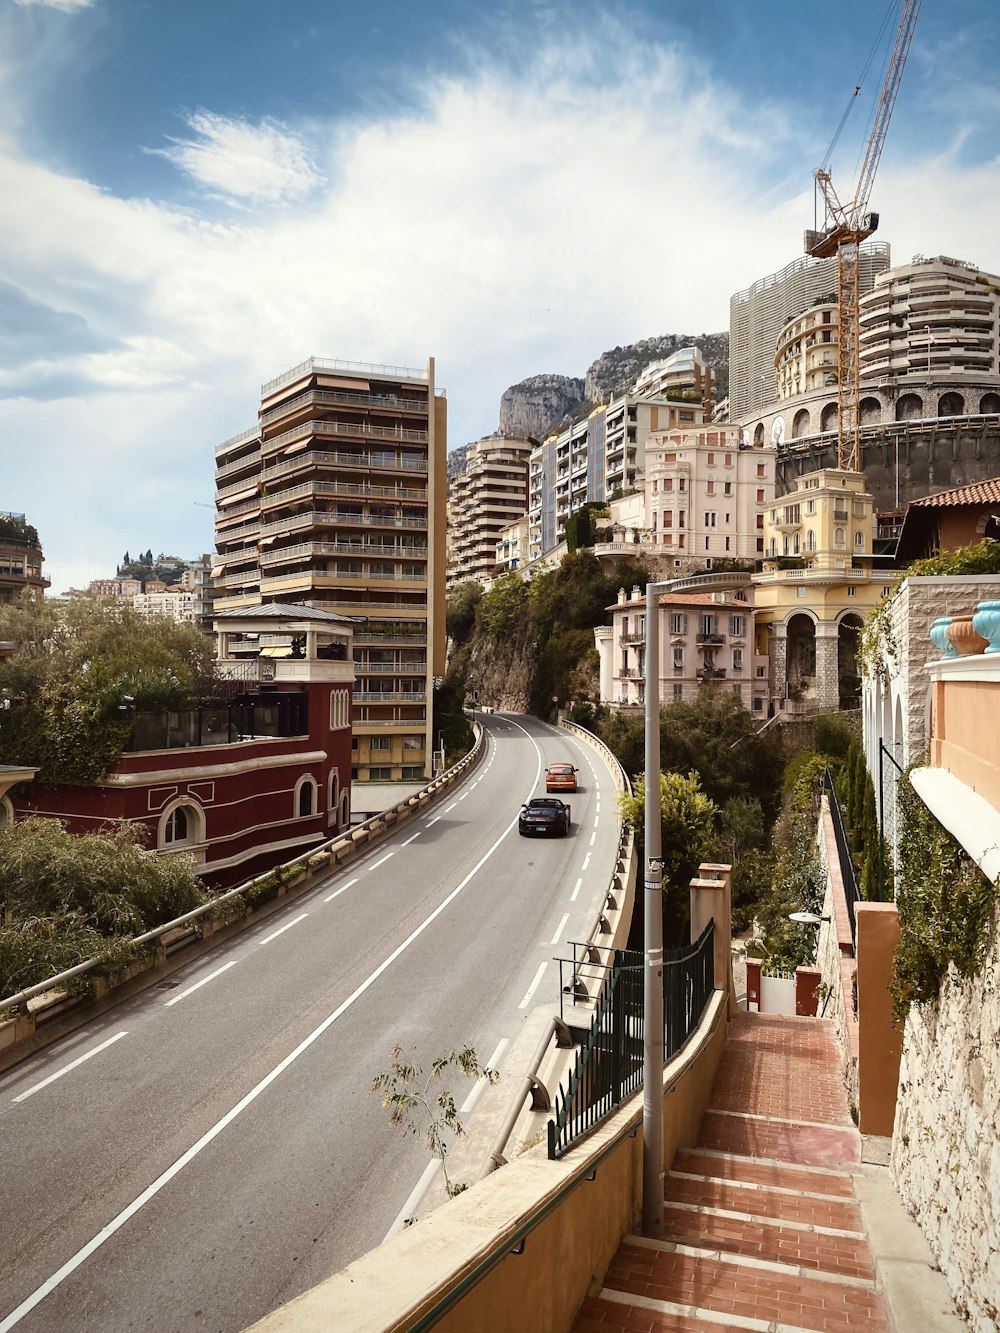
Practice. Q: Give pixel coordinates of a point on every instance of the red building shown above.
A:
(247, 784)
(950, 519)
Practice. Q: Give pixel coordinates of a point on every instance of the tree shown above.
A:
(460, 609)
(64, 899)
(80, 670)
(687, 820)
(422, 1103)
(501, 609)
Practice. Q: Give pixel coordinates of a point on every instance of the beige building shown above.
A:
(705, 638)
(20, 558)
(177, 603)
(705, 496)
(683, 372)
(932, 319)
(512, 546)
(336, 499)
(490, 493)
(806, 356)
(819, 583)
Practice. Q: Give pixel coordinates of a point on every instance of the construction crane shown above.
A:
(845, 226)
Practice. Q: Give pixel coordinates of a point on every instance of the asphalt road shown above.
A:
(202, 1153)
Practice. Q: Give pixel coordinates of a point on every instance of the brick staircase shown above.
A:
(762, 1229)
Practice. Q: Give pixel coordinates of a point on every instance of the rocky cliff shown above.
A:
(530, 408)
(615, 370)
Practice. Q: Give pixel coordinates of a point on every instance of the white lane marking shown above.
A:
(559, 929)
(381, 862)
(433, 821)
(481, 1084)
(524, 1003)
(73, 1064)
(409, 840)
(586, 862)
(593, 838)
(451, 807)
(463, 796)
(150, 1192)
(573, 895)
(343, 889)
(287, 926)
(198, 984)
(416, 1194)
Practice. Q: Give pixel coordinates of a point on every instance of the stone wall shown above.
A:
(946, 1141)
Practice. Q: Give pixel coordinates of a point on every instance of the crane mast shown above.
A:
(846, 225)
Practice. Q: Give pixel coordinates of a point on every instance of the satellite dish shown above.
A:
(807, 918)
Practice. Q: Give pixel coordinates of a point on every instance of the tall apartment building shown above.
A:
(593, 459)
(705, 496)
(483, 499)
(684, 371)
(932, 319)
(20, 558)
(757, 315)
(336, 500)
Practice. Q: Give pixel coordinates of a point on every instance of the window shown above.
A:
(810, 506)
(668, 483)
(380, 774)
(706, 544)
(678, 623)
(680, 522)
(176, 827)
(886, 591)
(355, 742)
(413, 742)
(709, 519)
(711, 460)
(859, 541)
(760, 469)
(760, 495)
(678, 691)
(710, 487)
(761, 673)
(851, 590)
(678, 659)
(706, 624)
(413, 771)
(737, 626)
(668, 518)
(758, 704)
(333, 795)
(729, 461)
(760, 545)
(305, 796)
(800, 591)
(737, 659)
(838, 537)
(810, 540)
(728, 488)
(727, 543)
(380, 743)
(340, 712)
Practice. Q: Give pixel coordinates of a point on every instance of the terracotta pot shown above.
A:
(964, 638)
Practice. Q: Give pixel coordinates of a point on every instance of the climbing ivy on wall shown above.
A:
(947, 907)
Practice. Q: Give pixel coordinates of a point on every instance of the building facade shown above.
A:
(705, 638)
(758, 314)
(819, 583)
(683, 372)
(336, 499)
(490, 493)
(243, 786)
(20, 558)
(595, 459)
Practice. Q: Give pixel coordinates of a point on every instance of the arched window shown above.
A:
(810, 540)
(306, 793)
(859, 541)
(333, 797)
(838, 537)
(796, 544)
(182, 824)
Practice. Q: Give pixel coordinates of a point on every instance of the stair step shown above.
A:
(782, 1140)
(776, 1205)
(763, 1171)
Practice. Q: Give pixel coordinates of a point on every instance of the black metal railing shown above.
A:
(608, 1066)
(847, 875)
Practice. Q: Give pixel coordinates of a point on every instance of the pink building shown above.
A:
(704, 638)
(251, 783)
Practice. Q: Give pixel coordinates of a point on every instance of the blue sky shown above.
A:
(196, 196)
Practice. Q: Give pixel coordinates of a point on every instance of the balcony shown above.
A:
(385, 402)
(711, 673)
(713, 638)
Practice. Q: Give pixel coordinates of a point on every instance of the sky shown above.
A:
(196, 195)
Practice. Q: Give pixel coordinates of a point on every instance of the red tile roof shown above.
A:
(978, 493)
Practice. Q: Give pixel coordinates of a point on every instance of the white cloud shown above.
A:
(67, 6)
(517, 222)
(263, 163)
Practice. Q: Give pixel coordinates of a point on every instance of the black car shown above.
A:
(543, 814)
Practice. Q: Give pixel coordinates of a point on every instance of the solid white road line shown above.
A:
(450, 807)
(586, 862)
(150, 1192)
(559, 929)
(198, 984)
(413, 839)
(573, 895)
(433, 821)
(281, 929)
(380, 862)
(416, 1194)
(343, 889)
(482, 1084)
(524, 1003)
(73, 1064)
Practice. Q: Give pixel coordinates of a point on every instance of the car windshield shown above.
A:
(542, 804)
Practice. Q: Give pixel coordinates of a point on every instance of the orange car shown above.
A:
(560, 777)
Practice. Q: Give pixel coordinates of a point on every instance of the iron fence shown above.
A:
(847, 875)
(608, 1066)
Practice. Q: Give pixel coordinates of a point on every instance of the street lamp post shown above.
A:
(652, 1051)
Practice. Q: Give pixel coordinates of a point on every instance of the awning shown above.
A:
(296, 448)
(217, 570)
(229, 522)
(240, 495)
(280, 650)
(333, 382)
(266, 541)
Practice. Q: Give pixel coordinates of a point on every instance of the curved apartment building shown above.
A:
(336, 499)
(806, 354)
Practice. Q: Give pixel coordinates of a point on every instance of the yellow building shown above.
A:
(819, 584)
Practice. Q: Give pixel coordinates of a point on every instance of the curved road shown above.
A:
(204, 1152)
